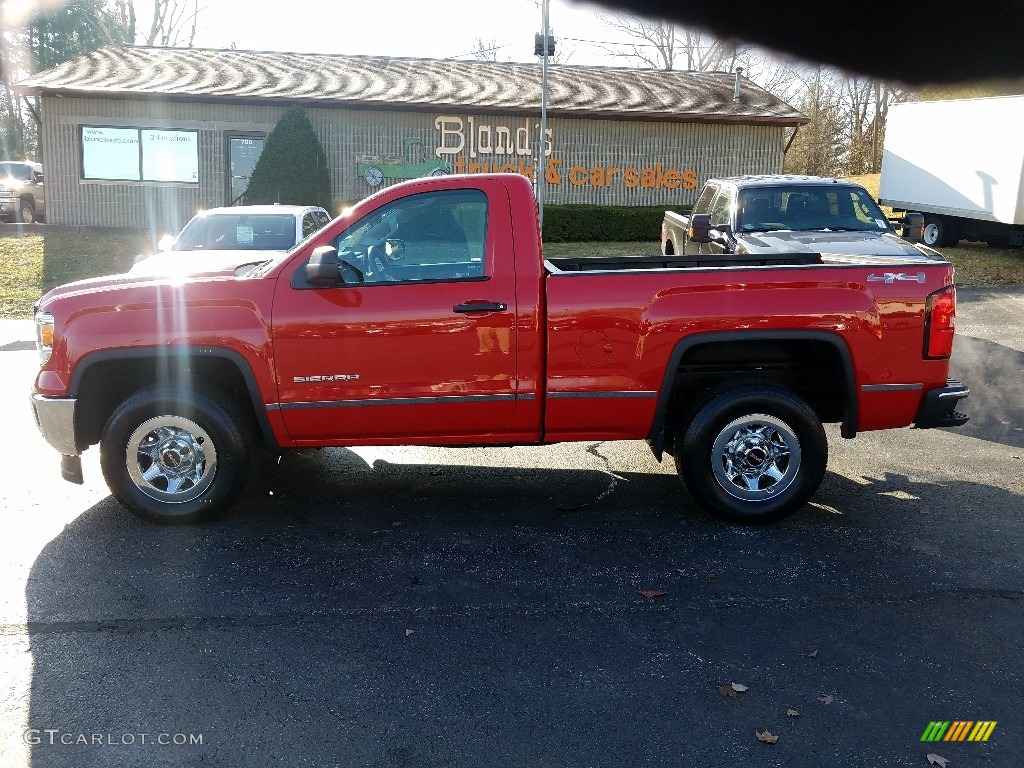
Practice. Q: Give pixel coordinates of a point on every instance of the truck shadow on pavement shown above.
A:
(995, 375)
(414, 614)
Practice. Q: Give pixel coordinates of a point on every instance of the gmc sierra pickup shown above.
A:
(789, 214)
(428, 315)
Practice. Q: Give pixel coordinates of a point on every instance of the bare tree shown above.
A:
(485, 50)
(663, 45)
(173, 23)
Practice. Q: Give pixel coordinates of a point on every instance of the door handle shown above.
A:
(480, 306)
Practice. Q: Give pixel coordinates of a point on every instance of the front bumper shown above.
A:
(55, 418)
(939, 407)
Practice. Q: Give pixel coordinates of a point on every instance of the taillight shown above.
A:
(939, 323)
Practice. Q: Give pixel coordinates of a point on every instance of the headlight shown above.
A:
(44, 336)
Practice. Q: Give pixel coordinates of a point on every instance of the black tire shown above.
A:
(939, 232)
(174, 457)
(26, 212)
(755, 453)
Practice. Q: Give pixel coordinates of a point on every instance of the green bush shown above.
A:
(603, 223)
(293, 167)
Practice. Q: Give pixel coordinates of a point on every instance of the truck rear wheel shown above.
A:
(176, 457)
(754, 453)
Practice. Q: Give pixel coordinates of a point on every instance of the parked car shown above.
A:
(811, 215)
(221, 239)
(21, 192)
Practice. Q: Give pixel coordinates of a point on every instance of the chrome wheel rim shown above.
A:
(756, 457)
(171, 459)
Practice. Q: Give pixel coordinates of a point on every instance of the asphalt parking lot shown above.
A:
(429, 607)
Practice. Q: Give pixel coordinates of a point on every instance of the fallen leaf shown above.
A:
(826, 698)
(727, 690)
(792, 713)
(410, 632)
(813, 654)
(739, 687)
(934, 759)
(652, 593)
(767, 737)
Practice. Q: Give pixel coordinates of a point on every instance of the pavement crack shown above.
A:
(606, 467)
(625, 605)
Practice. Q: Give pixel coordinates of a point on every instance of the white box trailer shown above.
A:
(960, 163)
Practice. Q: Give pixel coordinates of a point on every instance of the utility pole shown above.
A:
(543, 45)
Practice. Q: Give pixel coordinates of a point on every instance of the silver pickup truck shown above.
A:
(21, 192)
(751, 215)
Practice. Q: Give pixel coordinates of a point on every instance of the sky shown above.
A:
(411, 28)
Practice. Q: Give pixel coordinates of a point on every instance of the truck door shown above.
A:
(420, 339)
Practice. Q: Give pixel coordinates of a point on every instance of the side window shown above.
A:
(322, 218)
(703, 204)
(426, 237)
(721, 209)
(309, 224)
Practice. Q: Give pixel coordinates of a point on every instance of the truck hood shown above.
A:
(198, 262)
(842, 243)
(124, 284)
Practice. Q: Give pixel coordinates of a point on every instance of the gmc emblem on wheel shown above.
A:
(891, 277)
(326, 378)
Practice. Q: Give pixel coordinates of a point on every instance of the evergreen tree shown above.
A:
(293, 167)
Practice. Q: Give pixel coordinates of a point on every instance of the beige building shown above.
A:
(136, 136)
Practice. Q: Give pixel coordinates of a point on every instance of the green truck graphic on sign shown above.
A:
(411, 164)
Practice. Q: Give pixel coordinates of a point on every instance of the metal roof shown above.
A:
(196, 74)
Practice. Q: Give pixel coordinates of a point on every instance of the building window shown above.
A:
(139, 154)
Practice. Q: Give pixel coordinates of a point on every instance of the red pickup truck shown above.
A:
(427, 315)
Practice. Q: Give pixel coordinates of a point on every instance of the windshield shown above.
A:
(237, 231)
(19, 171)
(835, 208)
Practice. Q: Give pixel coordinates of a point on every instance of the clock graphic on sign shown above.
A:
(373, 176)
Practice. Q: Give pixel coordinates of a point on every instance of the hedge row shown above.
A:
(612, 223)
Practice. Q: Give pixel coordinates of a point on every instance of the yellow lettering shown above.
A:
(507, 168)
(608, 175)
(689, 179)
(474, 168)
(578, 175)
(672, 179)
(630, 178)
(597, 177)
(551, 173)
(460, 164)
(648, 179)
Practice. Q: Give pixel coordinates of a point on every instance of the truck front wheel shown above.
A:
(939, 232)
(754, 454)
(176, 457)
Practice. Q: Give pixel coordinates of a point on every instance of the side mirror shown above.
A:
(700, 228)
(913, 227)
(323, 268)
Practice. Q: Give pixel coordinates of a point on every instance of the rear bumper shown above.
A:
(939, 407)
